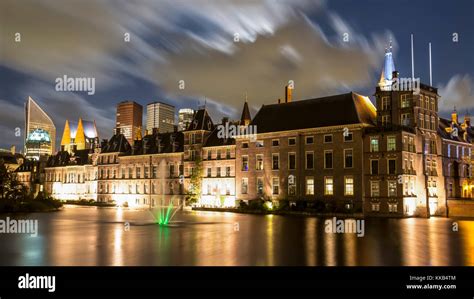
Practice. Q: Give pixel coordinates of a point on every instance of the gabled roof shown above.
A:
(214, 140)
(64, 158)
(156, 143)
(201, 121)
(337, 110)
(446, 123)
(117, 144)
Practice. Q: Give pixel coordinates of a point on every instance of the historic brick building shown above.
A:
(340, 153)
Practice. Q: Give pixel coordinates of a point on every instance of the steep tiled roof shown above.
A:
(343, 109)
(117, 144)
(446, 123)
(214, 140)
(201, 121)
(63, 158)
(159, 143)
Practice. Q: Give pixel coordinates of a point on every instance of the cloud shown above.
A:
(298, 52)
(459, 92)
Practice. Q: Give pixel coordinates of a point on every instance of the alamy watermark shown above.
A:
(345, 226)
(233, 131)
(65, 83)
(406, 84)
(23, 226)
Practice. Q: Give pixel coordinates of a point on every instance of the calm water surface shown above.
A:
(98, 236)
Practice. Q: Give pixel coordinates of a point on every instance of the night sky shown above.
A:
(194, 41)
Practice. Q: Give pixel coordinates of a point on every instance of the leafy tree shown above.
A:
(194, 190)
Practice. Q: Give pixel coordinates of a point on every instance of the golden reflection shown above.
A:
(270, 256)
(329, 249)
(409, 246)
(350, 249)
(466, 228)
(438, 251)
(311, 242)
(117, 254)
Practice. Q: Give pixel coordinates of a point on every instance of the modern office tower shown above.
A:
(185, 118)
(79, 136)
(161, 116)
(129, 119)
(40, 132)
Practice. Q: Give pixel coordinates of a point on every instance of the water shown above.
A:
(98, 236)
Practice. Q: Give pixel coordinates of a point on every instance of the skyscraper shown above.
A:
(185, 118)
(40, 132)
(129, 119)
(160, 115)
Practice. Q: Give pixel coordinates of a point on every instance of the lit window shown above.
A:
(405, 100)
(374, 188)
(259, 143)
(245, 163)
(348, 186)
(292, 186)
(391, 143)
(375, 207)
(374, 144)
(392, 188)
(392, 207)
(245, 185)
(275, 186)
(275, 161)
(259, 186)
(309, 186)
(328, 186)
(259, 163)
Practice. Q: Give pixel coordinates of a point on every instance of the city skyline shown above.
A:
(354, 64)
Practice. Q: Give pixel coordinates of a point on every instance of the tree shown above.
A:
(10, 187)
(194, 190)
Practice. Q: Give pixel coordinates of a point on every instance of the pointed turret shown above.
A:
(245, 119)
(386, 77)
(66, 139)
(80, 139)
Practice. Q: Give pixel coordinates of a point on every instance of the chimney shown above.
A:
(288, 91)
(117, 130)
(13, 149)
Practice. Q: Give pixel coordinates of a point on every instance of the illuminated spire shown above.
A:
(385, 81)
(80, 139)
(66, 139)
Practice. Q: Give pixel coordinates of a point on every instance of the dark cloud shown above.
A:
(458, 92)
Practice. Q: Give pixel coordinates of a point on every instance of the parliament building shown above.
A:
(338, 154)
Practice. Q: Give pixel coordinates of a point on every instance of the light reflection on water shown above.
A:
(97, 236)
